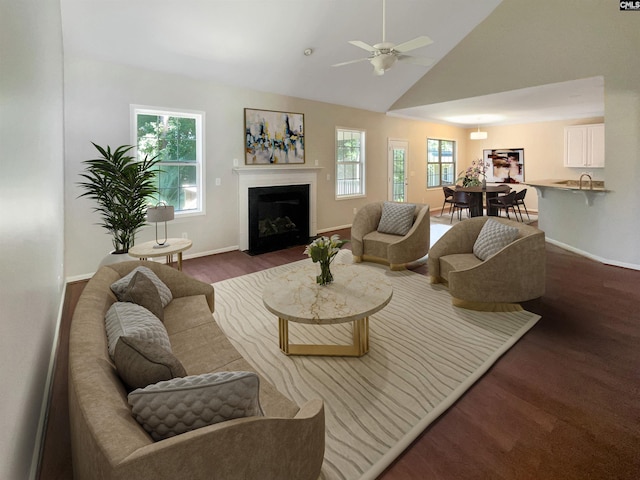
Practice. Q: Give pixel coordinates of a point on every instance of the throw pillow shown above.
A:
(493, 237)
(397, 218)
(120, 286)
(141, 290)
(180, 405)
(131, 320)
(140, 362)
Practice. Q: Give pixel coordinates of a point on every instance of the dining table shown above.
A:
(479, 195)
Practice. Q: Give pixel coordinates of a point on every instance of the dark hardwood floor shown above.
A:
(563, 403)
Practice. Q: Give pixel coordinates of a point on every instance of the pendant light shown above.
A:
(478, 135)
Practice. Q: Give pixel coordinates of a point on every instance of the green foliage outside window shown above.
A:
(174, 140)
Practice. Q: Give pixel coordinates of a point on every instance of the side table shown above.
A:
(171, 247)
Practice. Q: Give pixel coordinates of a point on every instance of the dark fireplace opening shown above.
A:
(278, 217)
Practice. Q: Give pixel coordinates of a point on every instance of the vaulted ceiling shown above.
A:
(260, 44)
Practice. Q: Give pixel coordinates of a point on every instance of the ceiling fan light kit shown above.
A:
(385, 54)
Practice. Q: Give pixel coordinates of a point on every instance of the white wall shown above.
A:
(525, 44)
(31, 203)
(97, 99)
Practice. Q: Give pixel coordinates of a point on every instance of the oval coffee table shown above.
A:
(355, 293)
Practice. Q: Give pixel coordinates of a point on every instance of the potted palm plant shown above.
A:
(122, 187)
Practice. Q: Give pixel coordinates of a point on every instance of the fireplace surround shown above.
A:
(271, 176)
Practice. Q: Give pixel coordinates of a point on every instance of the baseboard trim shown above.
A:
(591, 256)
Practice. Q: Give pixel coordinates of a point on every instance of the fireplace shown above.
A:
(278, 217)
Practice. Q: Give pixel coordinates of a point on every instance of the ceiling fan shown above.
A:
(385, 54)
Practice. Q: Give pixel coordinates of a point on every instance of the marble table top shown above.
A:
(151, 249)
(355, 293)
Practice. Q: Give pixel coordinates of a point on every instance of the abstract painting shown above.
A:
(504, 165)
(273, 137)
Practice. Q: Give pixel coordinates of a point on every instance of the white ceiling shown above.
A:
(259, 44)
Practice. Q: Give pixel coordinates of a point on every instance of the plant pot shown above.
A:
(113, 257)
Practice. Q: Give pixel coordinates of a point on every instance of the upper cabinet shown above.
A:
(584, 146)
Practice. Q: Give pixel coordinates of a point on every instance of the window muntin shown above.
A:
(441, 162)
(177, 138)
(350, 163)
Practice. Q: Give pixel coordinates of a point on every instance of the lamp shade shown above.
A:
(160, 213)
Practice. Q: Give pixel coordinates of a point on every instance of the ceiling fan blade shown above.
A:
(364, 46)
(425, 62)
(349, 62)
(417, 42)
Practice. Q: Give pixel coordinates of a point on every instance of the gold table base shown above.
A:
(358, 348)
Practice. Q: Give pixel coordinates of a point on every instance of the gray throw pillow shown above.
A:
(180, 405)
(493, 237)
(118, 287)
(140, 363)
(142, 290)
(132, 320)
(397, 218)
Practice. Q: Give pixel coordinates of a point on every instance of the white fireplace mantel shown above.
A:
(270, 176)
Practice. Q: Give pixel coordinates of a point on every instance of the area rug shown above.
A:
(445, 218)
(424, 354)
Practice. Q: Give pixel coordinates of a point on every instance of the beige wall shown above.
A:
(524, 44)
(31, 202)
(97, 99)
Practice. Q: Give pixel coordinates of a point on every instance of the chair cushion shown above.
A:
(142, 291)
(129, 319)
(180, 405)
(397, 218)
(121, 285)
(493, 237)
(140, 362)
(456, 262)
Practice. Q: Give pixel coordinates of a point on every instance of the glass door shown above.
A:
(398, 152)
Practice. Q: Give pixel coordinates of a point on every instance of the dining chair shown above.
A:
(448, 198)
(461, 201)
(505, 202)
(520, 201)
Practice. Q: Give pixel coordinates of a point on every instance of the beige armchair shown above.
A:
(367, 244)
(514, 274)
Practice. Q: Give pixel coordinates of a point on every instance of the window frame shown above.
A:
(362, 163)
(200, 163)
(454, 156)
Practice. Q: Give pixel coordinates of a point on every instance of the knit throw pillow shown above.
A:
(397, 218)
(493, 237)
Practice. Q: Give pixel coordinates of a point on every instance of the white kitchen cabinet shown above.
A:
(584, 146)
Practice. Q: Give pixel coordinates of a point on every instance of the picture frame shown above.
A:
(504, 165)
(273, 137)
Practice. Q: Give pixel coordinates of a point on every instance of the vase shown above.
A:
(325, 277)
(484, 183)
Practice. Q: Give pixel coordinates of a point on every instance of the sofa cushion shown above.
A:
(121, 285)
(456, 262)
(142, 290)
(397, 218)
(493, 237)
(140, 362)
(180, 405)
(132, 320)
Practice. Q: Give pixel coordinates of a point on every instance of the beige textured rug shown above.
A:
(424, 354)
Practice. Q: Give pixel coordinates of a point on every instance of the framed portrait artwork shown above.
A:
(504, 165)
(273, 137)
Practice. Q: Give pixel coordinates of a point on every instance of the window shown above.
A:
(349, 163)
(441, 162)
(177, 138)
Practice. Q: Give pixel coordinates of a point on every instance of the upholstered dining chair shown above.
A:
(490, 263)
(391, 233)
(448, 198)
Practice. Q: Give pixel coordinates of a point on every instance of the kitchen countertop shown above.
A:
(572, 186)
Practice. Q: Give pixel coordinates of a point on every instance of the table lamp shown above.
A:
(160, 213)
